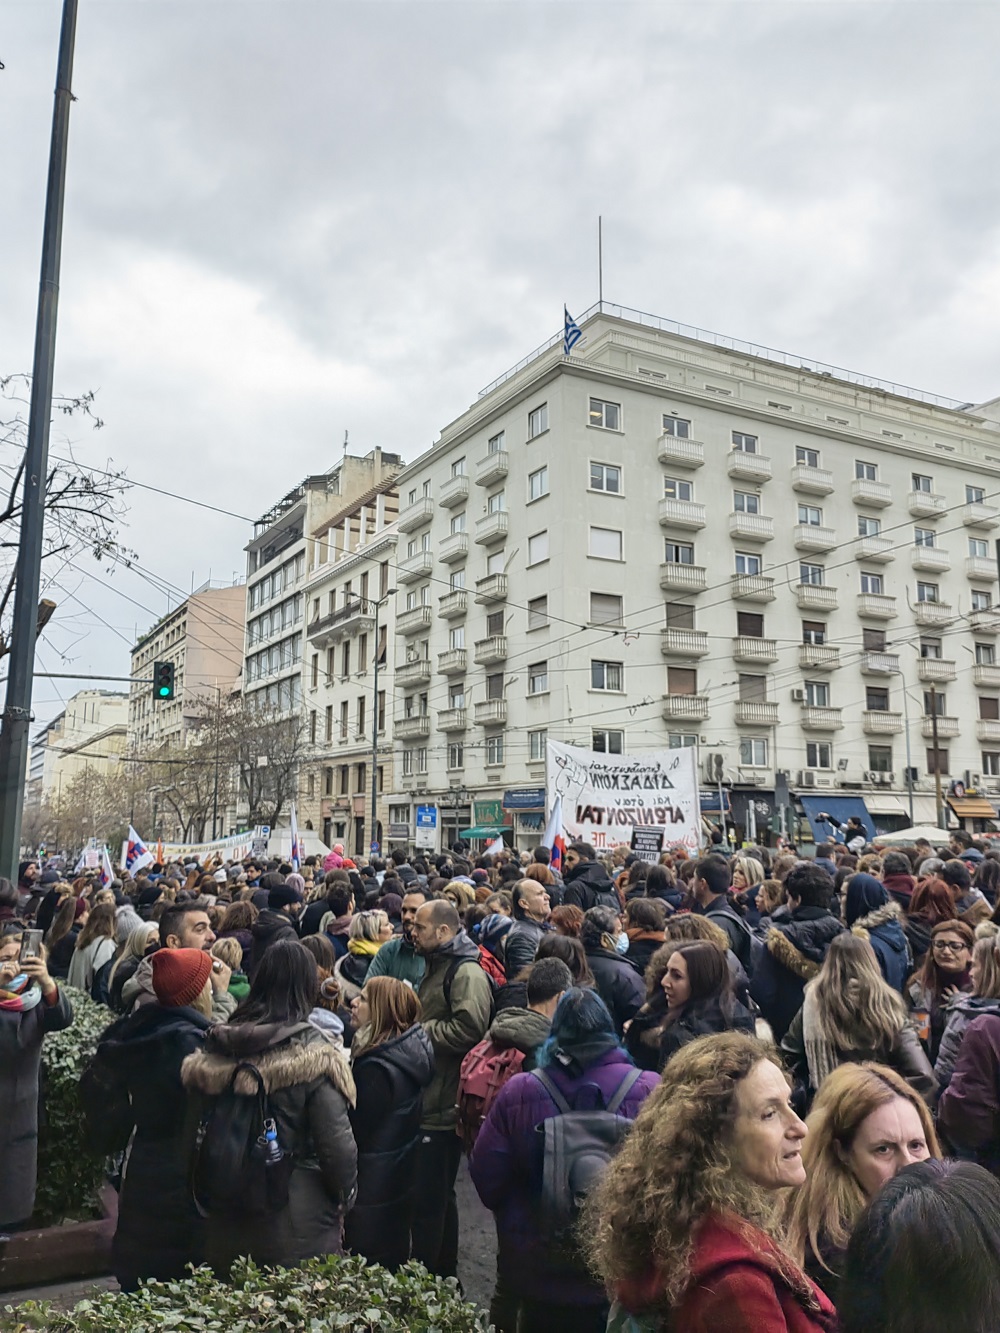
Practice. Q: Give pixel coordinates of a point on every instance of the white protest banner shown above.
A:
(234, 848)
(605, 795)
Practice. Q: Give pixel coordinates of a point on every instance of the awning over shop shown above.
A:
(972, 807)
(886, 804)
(484, 831)
(841, 807)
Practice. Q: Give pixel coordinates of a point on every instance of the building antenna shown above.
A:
(600, 262)
(345, 443)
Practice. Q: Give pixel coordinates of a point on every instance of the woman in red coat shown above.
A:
(684, 1228)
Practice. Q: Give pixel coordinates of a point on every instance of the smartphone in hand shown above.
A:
(31, 945)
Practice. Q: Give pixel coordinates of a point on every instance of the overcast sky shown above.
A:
(286, 219)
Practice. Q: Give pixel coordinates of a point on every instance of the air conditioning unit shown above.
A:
(798, 696)
(807, 778)
(824, 780)
(878, 778)
(975, 780)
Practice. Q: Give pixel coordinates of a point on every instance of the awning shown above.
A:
(972, 807)
(484, 831)
(841, 807)
(885, 804)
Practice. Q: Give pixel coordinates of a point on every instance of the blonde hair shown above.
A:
(751, 870)
(986, 952)
(857, 1009)
(393, 1008)
(821, 1213)
(230, 951)
(871, 864)
(459, 895)
(367, 925)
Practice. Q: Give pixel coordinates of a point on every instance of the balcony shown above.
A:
(492, 529)
(979, 516)
(491, 713)
(933, 614)
(811, 480)
(414, 728)
(877, 549)
(980, 567)
(879, 664)
(820, 719)
(415, 620)
(355, 618)
(749, 587)
(685, 707)
(414, 567)
(984, 622)
(934, 670)
(876, 606)
(493, 649)
(453, 719)
(492, 468)
(748, 467)
(454, 547)
(756, 713)
(926, 504)
(453, 605)
(751, 527)
(416, 515)
(411, 674)
(818, 657)
(930, 559)
(683, 642)
(746, 648)
(453, 662)
(878, 722)
(810, 537)
(947, 728)
(493, 588)
(676, 577)
(682, 514)
(674, 452)
(815, 597)
(985, 674)
(987, 730)
(873, 494)
(453, 492)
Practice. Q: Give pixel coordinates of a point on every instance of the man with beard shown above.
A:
(397, 957)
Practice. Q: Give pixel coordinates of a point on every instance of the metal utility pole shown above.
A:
(17, 704)
(938, 796)
(372, 839)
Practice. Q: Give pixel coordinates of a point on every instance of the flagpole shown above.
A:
(600, 263)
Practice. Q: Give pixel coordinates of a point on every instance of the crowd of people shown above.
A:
(793, 1063)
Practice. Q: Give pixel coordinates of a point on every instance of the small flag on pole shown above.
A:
(495, 847)
(107, 874)
(137, 855)
(553, 837)
(295, 840)
(572, 333)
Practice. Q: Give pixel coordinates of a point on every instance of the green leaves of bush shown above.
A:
(334, 1292)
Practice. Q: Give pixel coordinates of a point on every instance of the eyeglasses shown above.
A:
(949, 946)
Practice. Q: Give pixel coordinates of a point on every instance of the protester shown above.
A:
(530, 902)
(898, 879)
(398, 957)
(587, 883)
(368, 932)
(866, 1124)
(140, 942)
(392, 1061)
(984, 973)
(229, 952)
(237, 924)
(275, 922)
(685, 1223)
(60, 942)
(711, 886)
(945, 975)
(644, 918)
(697, 987)
(182, 926)
(930, 904)
(969, 1109)
(95, 946)
(870, 913)
(618, 982)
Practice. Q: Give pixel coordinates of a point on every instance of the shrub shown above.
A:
(69, 1173)
(334, 1292)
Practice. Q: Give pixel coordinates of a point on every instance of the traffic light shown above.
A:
(163, 681)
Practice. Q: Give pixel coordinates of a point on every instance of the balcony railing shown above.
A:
(685, 707)
(683, 642)
(875, 494)
(414, 620)
(751, 527)
(812, 537)
(749, 649)
(493, 649)
(875, 606)
(811, 480)
(453, 605)
(453, 492)
(751, 587)
(879, 664)
(925, 504)
(453, 719)
(815, 597)
(355, 618)
(985, 622)
(880, 722)
(818, 657)
(933, 614)
(821, 719)
(748, 467)
(879, 549)
(674, 452)
(683, 578)
(414, 728)
(454, 547)
(453, 662)
(985, 674)
(492, 468)
(947, 727)
(684, 514)
(491, 713)
(933, 670)
(981, 568)
(979, 516)
(492, 529)
(493, 588)
(415, 515)
(931, 559)
(415, 567)
(411, 674)
(987, 730)
(756, 713)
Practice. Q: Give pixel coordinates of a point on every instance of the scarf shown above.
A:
(579, 1057)
(19, 1001)
(366, 948)
(822, 1056)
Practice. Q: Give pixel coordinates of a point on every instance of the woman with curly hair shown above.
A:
(685, 1227)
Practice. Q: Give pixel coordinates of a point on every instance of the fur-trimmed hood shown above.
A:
(880, 917)
(800, 944)
(783, 951)
(296, 1053)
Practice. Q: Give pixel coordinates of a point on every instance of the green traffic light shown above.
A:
(164, 691)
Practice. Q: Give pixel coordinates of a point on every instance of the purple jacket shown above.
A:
(506, 1168)
(969, 1108)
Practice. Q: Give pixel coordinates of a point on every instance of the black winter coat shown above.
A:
(390, 1081)
(267, 930)
(792, 954)
(619, 984)
(521, 944)
(61, 955)
(740, 936)
(703, 1018)
(588, 885)
(159, 1230)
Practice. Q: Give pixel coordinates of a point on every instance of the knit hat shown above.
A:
(49, 877)
(480, 877)
(295, 881)
(220, 877)
(864, 894)
(179, 975)
(281, 896)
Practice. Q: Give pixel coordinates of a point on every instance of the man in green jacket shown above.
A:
(397, 957)
(456, 1003)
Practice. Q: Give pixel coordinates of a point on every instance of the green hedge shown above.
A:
(335, 1292)
(69, 1173)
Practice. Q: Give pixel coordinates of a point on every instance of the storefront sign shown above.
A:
(524, 798)
(426, 831)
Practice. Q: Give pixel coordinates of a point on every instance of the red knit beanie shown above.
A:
(179, 975)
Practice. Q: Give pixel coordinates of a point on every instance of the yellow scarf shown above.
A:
(366, 948)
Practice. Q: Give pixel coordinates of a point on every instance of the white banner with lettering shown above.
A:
(229, 849)
(605, 795)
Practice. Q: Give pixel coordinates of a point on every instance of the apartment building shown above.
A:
(673, 539)
(203, 637)
(88, 736)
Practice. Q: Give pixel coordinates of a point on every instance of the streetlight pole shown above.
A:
(389, 592)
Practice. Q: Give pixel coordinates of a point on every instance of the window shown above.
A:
(537, 741)
(494, 750)
(411, 600)
(458, 467)
(814, 632)
(930, 648)
(674, 489)
(494, 685)
(363, 653)
(605, 544)
(869, 527)
(494, 444)
(991, 763)
(819, 754)
(345, 659)
(937, 762)
(494, 624)
(747, 563)
(496, 503)
(343, 720)
(978, 547)
(923, 536)
(312, 727)
(811, 575)
(873, 640)
(360, 727)
(328, 720)
(456, 637)
(679, 615)
(678, 553)
(811, 516)
(745, 502)
(922, 483)
(458, 522)
(538, 421)
(343, 779)
(607, 676)
(986, 654)
(928, 592)
(865, 471)
(871, 583)
(934, 703)
(407, 763)
(606, 415)
(421, 761)
(682, 680)
(456, 755)
(538, 484)
(746, 444)
(807, 457)
(456, 580)
(753, 689)
(538, 548)
(974, 495)
(677, 427)
(880, 758)
(605, 477)
(981, 601)
(817, 694)
(877, 699)
(606, 609)
(749, 624)
(608, 742)
(496, 562)
(681, 740)
(381, 710)
(538, 613)
(456, 696)
(753, 749)
(538, 678)
(989, 709)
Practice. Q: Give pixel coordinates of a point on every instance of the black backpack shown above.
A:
(107, 1109)
(239, 1168)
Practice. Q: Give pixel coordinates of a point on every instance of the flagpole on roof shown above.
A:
(600, 263)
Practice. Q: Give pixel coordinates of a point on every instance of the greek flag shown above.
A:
(572, 334)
